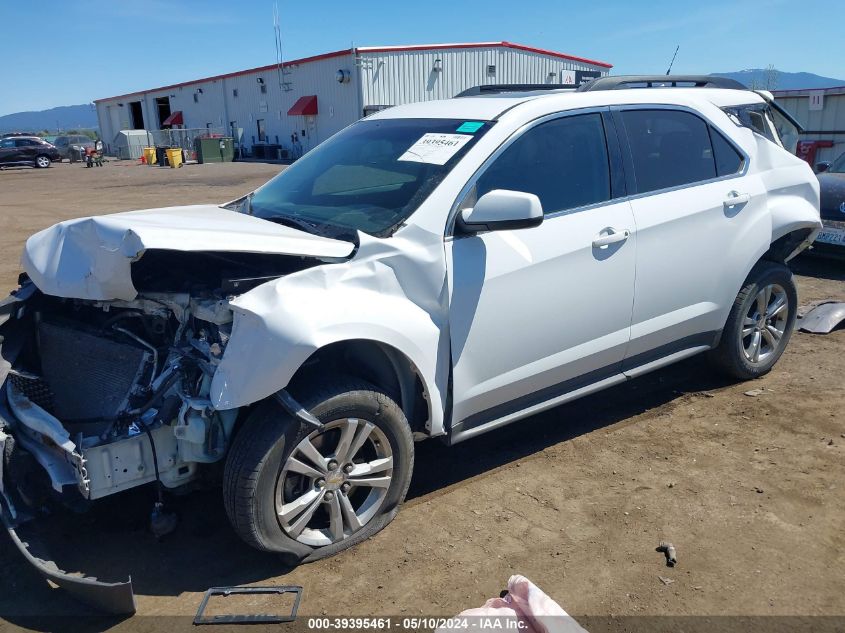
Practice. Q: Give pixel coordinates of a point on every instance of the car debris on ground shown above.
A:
(669, 550)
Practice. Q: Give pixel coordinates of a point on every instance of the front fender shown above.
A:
(394, 298)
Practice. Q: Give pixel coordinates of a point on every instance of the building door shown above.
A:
(137, 115)
(163, 108)
(262, 132)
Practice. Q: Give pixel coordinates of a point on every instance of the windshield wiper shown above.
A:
(297, 223)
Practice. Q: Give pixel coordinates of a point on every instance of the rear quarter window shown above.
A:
(728, 159)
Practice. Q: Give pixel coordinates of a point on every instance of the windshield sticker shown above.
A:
(470, 126)
(435, 148)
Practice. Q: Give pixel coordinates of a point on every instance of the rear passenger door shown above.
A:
(699, 219)
(27, 149)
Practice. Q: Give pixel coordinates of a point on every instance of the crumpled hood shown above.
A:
(90, 258)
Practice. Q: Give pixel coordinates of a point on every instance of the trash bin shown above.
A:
(174, 157)
(150, 155)
(219, 149)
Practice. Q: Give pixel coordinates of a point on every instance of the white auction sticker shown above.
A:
(435, 149)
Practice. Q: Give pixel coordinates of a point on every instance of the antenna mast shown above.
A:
(672, 63)
(280, 66)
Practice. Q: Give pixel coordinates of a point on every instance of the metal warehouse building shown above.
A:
(317, 96)
(822, 115)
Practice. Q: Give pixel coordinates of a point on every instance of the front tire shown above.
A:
(760, 323)
(42, 162)
(309, 493)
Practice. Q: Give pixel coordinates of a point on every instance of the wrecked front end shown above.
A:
(107, 353)
(101, 396)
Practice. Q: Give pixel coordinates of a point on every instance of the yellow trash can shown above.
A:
(174, 157)
(150, 155)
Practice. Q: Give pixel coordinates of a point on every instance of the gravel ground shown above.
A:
(748, 488)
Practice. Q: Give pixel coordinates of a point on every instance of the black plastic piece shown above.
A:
(290, 405)
(489, 89)
(201, 618)
(622, 82)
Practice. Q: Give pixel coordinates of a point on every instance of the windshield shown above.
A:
(370, 177)
(838, 165)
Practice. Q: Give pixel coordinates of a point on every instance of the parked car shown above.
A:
(436, 270)
(73, 146)
(27, 150)
(831, 177)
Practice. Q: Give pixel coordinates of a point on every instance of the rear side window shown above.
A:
(728, 160)
(564, 162)
(669, 148)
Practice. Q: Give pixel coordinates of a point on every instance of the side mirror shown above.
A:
(502, 210)
(822, 167)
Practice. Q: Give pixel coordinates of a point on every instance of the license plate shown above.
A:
(832, 236)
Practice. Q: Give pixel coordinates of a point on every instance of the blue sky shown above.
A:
(75, 51)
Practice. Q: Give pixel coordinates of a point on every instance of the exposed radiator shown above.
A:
(90, 377)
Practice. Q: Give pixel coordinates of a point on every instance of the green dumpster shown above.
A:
(215, 150)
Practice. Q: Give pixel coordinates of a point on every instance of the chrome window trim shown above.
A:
(624, 148)
(453, 212)
(746, 159)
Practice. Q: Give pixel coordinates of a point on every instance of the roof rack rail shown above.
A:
(660, 81)
(486, 89)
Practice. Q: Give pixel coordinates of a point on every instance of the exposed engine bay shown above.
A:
(109, 395)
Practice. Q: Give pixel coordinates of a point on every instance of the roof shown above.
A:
(365, 49)
(489, 107)
(502, 44)
(804, 92)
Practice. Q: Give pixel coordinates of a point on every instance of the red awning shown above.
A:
(304, 105)
(174, 119)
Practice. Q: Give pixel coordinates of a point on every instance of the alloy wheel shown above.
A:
(334, 482)
(42, 161)
(764, 324)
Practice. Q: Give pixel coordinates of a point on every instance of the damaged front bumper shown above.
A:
(39, 452)
(114, 598)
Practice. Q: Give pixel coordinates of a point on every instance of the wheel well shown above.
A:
(785, 245)
(382, 365)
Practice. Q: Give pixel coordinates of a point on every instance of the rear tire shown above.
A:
(760, 323)
(307, 493)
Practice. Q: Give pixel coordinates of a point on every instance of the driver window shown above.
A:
(563, 162)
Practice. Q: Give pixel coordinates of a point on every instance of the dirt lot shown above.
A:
(749, 489)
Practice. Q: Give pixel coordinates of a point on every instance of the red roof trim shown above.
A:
(306, 106)
(294, 62)
(364, 49)
(522, 47)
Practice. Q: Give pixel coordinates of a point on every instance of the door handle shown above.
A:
(735, 198)
(610, 236)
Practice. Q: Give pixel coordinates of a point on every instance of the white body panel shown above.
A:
(522, 322)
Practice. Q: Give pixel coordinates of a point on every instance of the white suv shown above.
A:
(435, 270)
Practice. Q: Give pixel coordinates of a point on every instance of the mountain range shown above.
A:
(764, 79)
(82, 116)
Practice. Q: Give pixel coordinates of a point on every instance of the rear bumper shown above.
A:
(831, 239)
